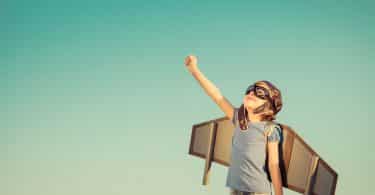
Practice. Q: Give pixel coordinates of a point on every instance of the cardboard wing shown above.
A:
(302, 169)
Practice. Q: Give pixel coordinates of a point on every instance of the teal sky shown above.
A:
(95, 98)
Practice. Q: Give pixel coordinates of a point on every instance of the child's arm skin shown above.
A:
(210, 89)
(273, 166)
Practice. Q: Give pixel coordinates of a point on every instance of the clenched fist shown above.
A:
(191, 63)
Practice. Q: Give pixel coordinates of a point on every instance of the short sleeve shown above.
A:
(275, 135)
(235, 116)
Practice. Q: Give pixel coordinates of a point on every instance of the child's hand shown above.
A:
(191, 63)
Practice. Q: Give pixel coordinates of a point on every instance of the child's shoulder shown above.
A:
(273, 130)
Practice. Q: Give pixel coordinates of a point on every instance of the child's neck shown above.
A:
(254, 117)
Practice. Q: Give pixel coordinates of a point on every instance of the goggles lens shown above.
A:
(259, 92)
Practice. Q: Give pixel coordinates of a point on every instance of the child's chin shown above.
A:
(249, 106)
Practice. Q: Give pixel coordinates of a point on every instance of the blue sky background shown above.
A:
(95, 98)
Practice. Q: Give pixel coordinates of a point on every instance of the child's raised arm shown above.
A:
(211, 90)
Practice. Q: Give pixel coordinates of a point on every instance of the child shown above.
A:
(251, 144)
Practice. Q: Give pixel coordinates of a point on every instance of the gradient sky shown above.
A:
(95, 98)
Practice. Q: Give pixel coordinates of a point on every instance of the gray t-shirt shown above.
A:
(247, 169)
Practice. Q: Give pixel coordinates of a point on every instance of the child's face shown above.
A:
(251, 101)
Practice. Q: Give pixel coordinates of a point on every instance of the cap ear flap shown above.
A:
(265, 110)
(261, 108)
(242, 116)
